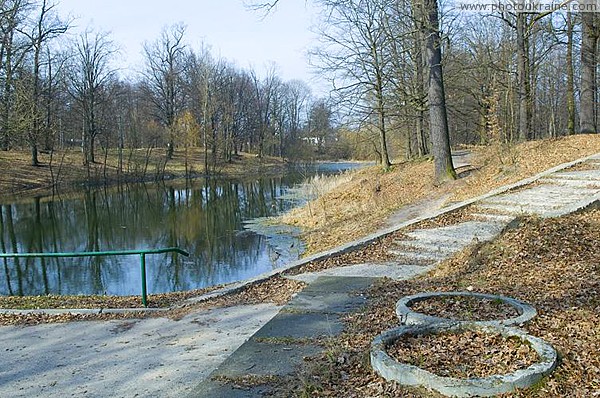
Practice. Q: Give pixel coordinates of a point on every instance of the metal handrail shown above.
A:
(141, 253)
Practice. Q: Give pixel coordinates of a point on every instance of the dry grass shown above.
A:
(494, 168)
(316, 186)
(357, 207)
(64, 169)
(363, 203)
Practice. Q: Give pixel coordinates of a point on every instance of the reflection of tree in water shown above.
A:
(203, 218)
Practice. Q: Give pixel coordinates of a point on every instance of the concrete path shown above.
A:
(280, 345)
(130, 358)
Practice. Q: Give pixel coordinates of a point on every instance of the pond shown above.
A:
(204, 217)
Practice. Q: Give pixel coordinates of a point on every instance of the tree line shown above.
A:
(59, 90)
(408, 78)
(424, 74)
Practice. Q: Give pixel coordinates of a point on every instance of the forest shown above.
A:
(404, 75)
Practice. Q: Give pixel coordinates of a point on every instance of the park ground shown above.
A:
(553, 264)
(353, 205)
(550, 263)
(62, 171)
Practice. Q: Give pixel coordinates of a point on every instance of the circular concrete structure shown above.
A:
(410, 375)
(409, 317)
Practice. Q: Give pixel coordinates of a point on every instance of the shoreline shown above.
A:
(235, 287)
(23, 181)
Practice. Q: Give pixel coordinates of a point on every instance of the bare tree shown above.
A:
(89, 76)
(165, 62)
(295, 98)
(265, 92)
(405, 52)
(319, 124)
(570, 75)
(438, 117)
(589, 63)
(47, 27)
(13, 50)
(353, 53)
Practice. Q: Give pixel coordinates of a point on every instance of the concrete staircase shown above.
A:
(554, 194)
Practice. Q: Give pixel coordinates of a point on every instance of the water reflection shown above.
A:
(204, 217)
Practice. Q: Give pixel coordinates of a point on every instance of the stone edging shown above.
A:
(409, 317)
(410, 375)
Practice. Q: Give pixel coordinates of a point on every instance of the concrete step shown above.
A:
(534, 201)
(540, 200)
(396, 271)
(420, 258)
(463, 233)
(432, 240)
(517, 209)
(426, 247)
(589, 175)
(501, 218)
(546, 193)
(586, 184)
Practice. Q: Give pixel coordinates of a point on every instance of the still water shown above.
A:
(204, 217)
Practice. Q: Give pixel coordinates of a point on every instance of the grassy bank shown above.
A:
(364, 201)
(64, 171)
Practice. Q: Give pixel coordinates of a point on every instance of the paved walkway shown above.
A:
(279, 346)
(156, 357)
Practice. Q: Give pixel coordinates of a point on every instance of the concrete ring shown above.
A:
(409, 317)
(410, 375)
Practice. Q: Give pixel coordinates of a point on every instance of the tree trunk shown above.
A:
(438, 118)
(419, 80)
(421, 136)
(589, 55)
(34, 155)
(35, 128)
(522, 78)
(7, 90)
(170, 144)
(385, 159)
(570, 78)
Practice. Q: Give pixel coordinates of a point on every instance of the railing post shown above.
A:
(143, 274)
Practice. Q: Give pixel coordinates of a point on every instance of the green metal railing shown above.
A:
(141, 253)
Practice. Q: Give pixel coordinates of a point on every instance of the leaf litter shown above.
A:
(553, 264)
(465, 308)
(470, 354)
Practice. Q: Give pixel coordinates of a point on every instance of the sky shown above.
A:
(227, 27)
